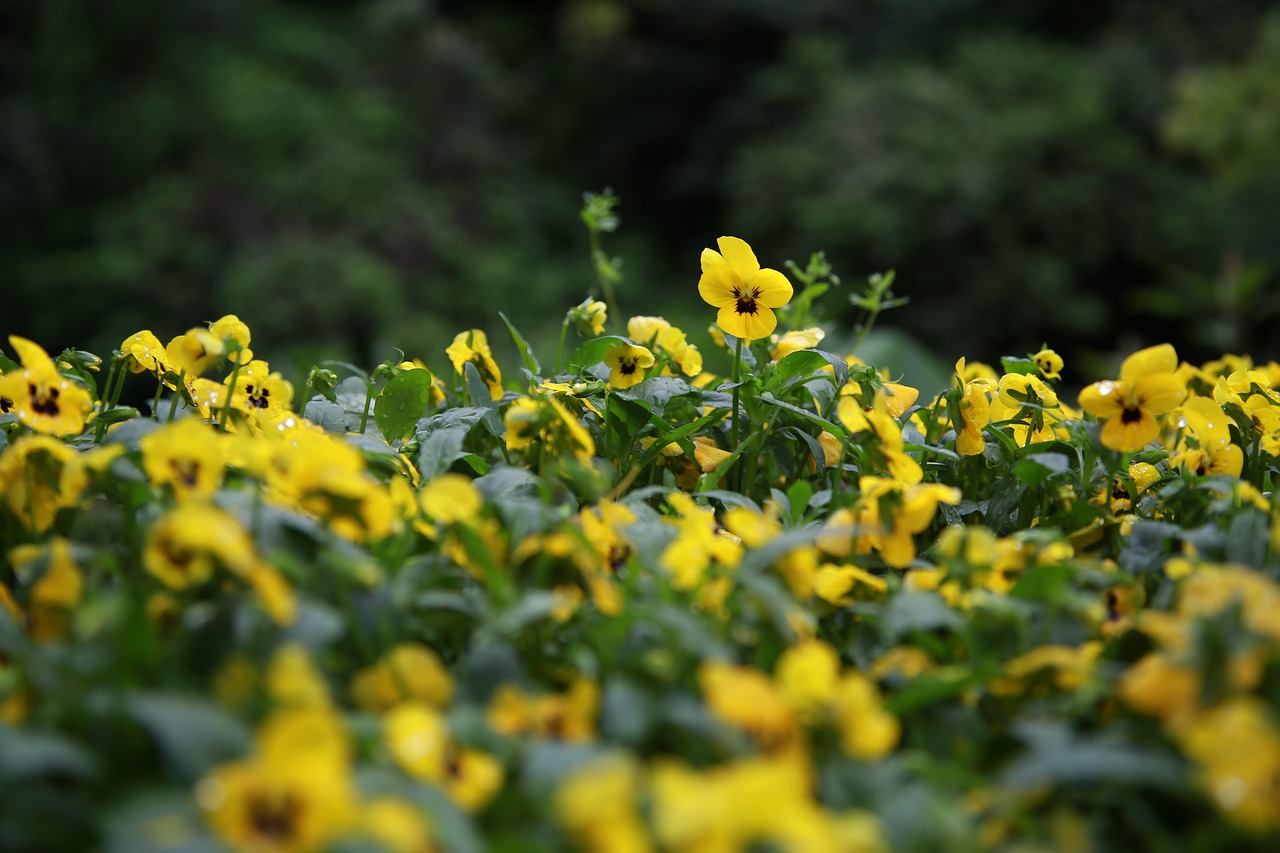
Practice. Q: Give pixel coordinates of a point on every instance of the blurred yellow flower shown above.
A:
(408, 671)
(195, 352)
(39, 396)
(188, 456)
(473, 347)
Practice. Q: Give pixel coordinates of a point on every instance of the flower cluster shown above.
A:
(628, 604)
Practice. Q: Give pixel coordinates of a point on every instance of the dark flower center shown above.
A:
(1130, 416)
(187, 471)
(44, 404)
(275, 817)
(258, 399)
(746, 301)
(627, 365)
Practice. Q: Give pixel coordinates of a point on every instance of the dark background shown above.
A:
(350, 177)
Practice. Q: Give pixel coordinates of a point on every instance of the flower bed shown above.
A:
(616, 603)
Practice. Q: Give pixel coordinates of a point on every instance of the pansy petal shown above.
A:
(1104, 399)
(1161, 358)
(740, 257)
(719, 284)
(771, 288)
(1208, 421)
(711, 259)
(1227, 461)
(749, 327)
(31, 354)
(1132, 436)
(1158, 393)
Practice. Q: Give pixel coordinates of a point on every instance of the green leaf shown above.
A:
(117, 414)
(402, 402)
(799, 367)
(919, 611)
(816, 452)
(804, 414)
(932, 688)
(624, 419)
(1148, 545)
(680, 433)
(132, 826)
(1038, 467)
(439, 450)
(798, 494)
(1247, 542)
(1023, 366)
(480, 397)
(657, 391)
(27, 753)
(999, 515)
(193, 734)
(593, 351)
(1057, 756)
(627, 711)
(1048, 583)
(802, 363)
(526, 353)
(534, 606)
(130, 434)
(328, 416)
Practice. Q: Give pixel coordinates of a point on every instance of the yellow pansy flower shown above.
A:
(396, 825)
(295, 794)
(195, 352)
(473, 347)
(1215, 454)
(1129, 406)
(596, 804)
(748, 699)
(40, 475)
(867, 730)
(231, 328)
(42, 398)
(794, 341)
(1049, 362)
(627, 365)
(186, 546)
(142, 352)
(187, 456)
(807, 674)
(733, 281)
(408, 671)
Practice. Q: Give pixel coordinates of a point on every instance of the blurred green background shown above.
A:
(353, 176)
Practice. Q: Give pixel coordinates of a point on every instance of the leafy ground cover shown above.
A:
(613, 602)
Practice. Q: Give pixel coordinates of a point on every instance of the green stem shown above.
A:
(173, 407)
(106, 402)
(753, 456)
(121, 376)
(368, 396)
(606, 286)
(231, 391)
(155, 402)
(306, 391)
(103, 398)
(737, 419)
(865, 329)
